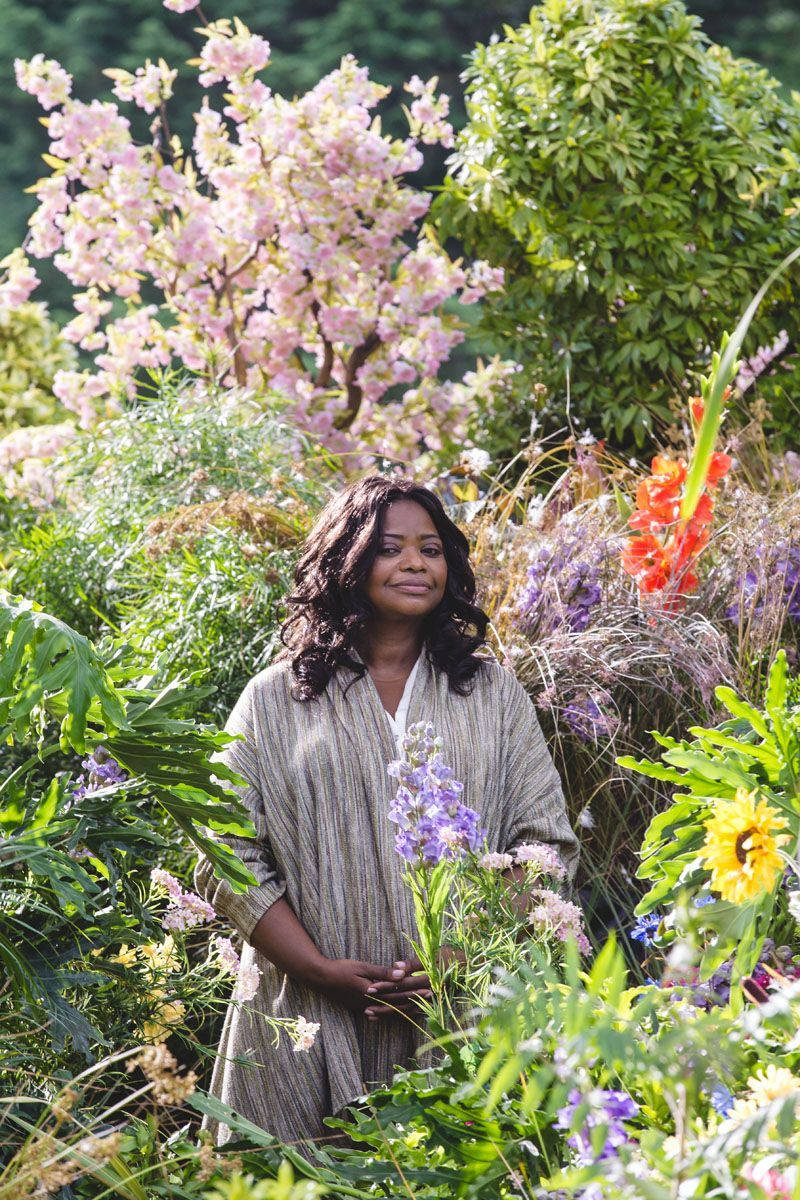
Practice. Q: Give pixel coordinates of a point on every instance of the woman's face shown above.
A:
(409, 573)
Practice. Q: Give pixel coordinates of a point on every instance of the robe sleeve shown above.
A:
(533, 794)
(243, 910)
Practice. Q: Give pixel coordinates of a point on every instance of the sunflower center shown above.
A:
(741, 846)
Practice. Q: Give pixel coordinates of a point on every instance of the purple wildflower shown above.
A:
(763, 357)
(776, 577)
(645, 928)
(433, 824)
(587, 718)
(103, 770)
(563, 585)
(606, 1108)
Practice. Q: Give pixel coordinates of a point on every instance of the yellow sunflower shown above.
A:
(741, 846)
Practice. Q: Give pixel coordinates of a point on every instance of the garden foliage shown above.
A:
(173, 526)
(617, 165)
(31, 352)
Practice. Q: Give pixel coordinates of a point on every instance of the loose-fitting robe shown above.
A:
(319, 795)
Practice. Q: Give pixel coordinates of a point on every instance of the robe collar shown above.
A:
(361, 703)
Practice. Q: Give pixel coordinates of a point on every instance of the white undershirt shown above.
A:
(398, 721)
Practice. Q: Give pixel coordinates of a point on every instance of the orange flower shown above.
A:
(718, 468)
(646, 559)
(690, 538)
(658, 498)
(697, 407)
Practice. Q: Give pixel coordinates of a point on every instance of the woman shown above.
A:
(383, 631)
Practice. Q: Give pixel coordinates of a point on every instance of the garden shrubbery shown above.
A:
(634, 184)
(621, 169)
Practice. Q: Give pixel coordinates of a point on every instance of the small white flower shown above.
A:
(536, 512)
(304, 1034)
(476, 460)
(247, 981)
(497, 862)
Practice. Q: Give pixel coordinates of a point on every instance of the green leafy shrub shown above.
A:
(614, 163)
(31, 351)
(175, 526)
(76, 850)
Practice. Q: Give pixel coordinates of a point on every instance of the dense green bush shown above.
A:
(613, 164)
(174, 527)
(31, 351)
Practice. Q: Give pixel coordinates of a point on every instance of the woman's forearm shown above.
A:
(281, 938)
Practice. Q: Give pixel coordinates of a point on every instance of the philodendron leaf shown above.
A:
(43, 659)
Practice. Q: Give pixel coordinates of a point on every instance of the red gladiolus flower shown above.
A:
(658, 498)
(718, 468)
(646, 559)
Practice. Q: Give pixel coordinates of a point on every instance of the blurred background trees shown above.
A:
(308, 37)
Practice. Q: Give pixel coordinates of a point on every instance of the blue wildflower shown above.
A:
(645, 928)
(721, 1099)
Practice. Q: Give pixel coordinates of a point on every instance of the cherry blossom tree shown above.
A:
(283, 251)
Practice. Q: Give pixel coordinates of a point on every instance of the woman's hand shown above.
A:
(350, 982)
(405, 993)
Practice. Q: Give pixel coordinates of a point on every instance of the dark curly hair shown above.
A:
(329, 608)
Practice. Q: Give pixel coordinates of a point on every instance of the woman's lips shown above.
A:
(414, 588)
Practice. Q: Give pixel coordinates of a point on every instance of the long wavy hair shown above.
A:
(329, 609)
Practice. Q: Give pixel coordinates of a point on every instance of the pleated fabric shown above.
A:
(319, 793)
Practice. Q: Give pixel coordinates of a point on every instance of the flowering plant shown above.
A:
(730, 836)
(473, 917)
(277, 250)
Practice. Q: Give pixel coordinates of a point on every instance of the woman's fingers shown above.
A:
(376, 973)
(403, 1004)
(410, 964)
(406, 984)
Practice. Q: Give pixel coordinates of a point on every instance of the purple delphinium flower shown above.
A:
(605, 1107)
(645, 928)
(563, 585)
(433, 824)
(103, 771)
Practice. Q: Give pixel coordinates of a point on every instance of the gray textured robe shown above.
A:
(319, 795)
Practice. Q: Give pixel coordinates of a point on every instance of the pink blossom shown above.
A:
(161, 878)
(148, 88)
(228, 55)
(181, 6)
(542, 858)
(43, 78)
(20, 281)
(228, 957)
(551, 914)
(185, 909)
(290, 232)
(304, 1034)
